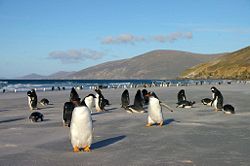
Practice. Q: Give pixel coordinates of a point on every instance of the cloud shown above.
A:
(75, 55)
(132, 39)
(123, 38)
(173, 37)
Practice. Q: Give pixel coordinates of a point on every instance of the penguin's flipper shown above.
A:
(166, 106)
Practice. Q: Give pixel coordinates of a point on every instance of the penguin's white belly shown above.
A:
(98, 109)
(215, 103)
(90, 103)
(29, 103)
(154, 111)
(81, 127)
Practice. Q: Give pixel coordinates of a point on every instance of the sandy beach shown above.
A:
(196, 136)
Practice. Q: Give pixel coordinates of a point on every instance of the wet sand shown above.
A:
(196, 136)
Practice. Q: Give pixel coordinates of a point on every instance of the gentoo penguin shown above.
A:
(228, 109)
(206, 101)
(155, 115)
(35, 116)
(67, 113)
(217, 101)
(74, 97)
(81, 128)
(185, 104)
(138, 104)
(181, 95)
(125, 99)
(100, 101)
(44, 102)
(145, 97)
(32, 99)
(90, 101)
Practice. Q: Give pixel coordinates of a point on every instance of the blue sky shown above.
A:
(46, 36)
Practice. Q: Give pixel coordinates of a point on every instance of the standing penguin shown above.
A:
(154, 110)
(145, 97)
(217, 101)
(90, 101)
(125, 99)
(138, 104)
(181, 95)
(32, 99)
(67, 113)
(81, 128)
(100, 101)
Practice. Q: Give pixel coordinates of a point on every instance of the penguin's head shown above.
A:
(214, 89)
(74, 95)
(98, 91)
(144, 92)
(92, 95)
(29, 93)
(152, 94)
(182, 91)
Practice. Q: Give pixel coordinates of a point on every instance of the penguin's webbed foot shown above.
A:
(76, 149)
(86, 149)
(161, 124)
(148, 125)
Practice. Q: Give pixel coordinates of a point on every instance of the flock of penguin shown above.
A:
(77, 113)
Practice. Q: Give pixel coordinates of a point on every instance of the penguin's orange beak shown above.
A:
(148, 95)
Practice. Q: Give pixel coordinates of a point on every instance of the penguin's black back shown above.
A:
(67, 112)
(181, 95)
(138, 100)
(35, 116)
(228, 109)
(125, 99)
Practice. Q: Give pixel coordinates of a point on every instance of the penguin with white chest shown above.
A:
(155, 115)
(90, 101)
(217, 101)
(81, 128)
(32, 99)
(100, 101)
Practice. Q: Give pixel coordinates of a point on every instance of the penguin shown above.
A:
(228, 109)
(74, 97)
(100, 101)
(217, 101)
(185, 104)
(206, 101)
(81, 128)
(125, 99)
(145, 97)
(44, 102)
(89, 101)
(181, 95)
(155, 115)
(35, 116)
(138, 104)
(32, 99)
(68, 108)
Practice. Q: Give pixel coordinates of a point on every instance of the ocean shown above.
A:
(17, 85)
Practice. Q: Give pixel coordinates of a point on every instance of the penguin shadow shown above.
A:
(104, 112)
(168, 121)
(12, 120)
(4, 110)
(107, 142)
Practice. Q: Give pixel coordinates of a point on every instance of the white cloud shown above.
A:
(75, 55)
(132, 39)
(123, 38)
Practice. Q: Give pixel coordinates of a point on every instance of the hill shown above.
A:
(235, 65)
(158, 64)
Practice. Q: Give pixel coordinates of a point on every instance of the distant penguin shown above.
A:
(138, 104)
(35, 116)
(181, 95)
(32, 99)
(81, 128)
(206, 101)
(74, 97)
(44, 102)
(217, 101)
(185, 104)
(155, 115)
(89, 101)
(67, 113)
(228, 109)
(145, 97)
(100, 101)
(125, 99)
